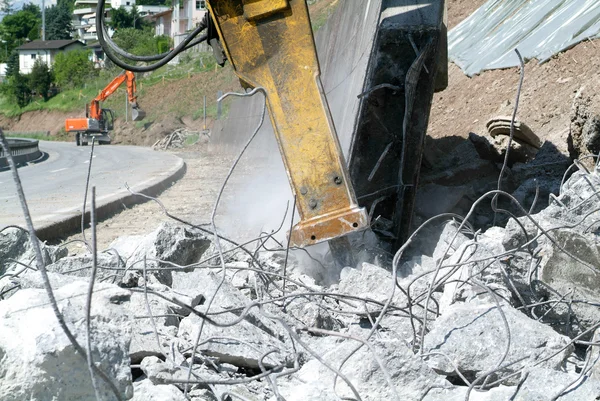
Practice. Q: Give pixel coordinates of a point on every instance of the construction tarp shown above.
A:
(538, 28)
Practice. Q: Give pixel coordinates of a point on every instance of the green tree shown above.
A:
(18, 89)
(40, 79)
(73, 68)
(33, 9)
(17, 27)
(58, 23)
(6, 7)
(139, 42)
(69, 4)
(12, 64)
(121, 18)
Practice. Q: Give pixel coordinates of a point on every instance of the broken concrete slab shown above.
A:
(410, 378)
(39, 362)
(475, 338)
(225, 297)
(241, 345)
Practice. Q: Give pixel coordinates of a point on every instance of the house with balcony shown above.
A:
(45, 50)
(84, 20)
(178, 21)
(84, 16)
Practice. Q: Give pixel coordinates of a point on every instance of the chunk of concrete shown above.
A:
(16, 248)
(168, 245)
(500, 126)
(371, 282)
(143, 336)
(475, 338)
(81, 266)
(145, 390)
(37, 359)
(410, 378)
(565, 273)
(159, 372)
(544, 384)
(458, 393)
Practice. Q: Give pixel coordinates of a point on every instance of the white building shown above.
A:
(45, 50)
(84, 16)
(179, 21)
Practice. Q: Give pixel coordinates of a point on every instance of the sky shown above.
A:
(18, 4)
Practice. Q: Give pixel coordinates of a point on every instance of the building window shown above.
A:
(33, 56)
(128, 3)
(181, 4)
(200, 4)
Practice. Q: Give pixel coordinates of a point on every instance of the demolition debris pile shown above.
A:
(509, 313)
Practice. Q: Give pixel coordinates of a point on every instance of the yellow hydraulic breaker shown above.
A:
(270, 44)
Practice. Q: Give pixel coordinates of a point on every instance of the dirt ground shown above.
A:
(465, 106)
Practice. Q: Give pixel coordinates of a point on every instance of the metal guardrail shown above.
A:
(22, 151)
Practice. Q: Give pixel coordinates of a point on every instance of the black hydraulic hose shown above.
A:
(107, 48)
(154, 57)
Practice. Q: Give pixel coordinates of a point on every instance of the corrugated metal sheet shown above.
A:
(538, 28)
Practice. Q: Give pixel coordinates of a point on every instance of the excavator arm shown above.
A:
(95, 111)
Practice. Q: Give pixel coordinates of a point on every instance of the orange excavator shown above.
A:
(98, 122)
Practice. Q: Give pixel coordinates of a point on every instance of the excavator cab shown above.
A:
(107, 120)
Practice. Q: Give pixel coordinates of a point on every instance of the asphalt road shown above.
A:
(55, 188)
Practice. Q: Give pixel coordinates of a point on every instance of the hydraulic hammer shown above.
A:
(270, 44)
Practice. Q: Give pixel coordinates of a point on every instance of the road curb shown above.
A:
(71, 223)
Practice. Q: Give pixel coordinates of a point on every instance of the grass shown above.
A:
(76, 99)
(192, 139)
(211, 111)
(41, 136)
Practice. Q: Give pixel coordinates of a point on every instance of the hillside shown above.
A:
(172, 96)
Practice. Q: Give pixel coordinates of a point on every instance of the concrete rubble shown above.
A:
(512, 313)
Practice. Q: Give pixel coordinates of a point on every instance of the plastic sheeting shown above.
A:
(538, 28)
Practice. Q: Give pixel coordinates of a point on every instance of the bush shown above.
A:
(141, 42)
(73, 68)
(40, 79)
